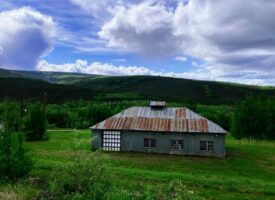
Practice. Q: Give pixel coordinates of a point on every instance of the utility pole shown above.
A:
(45, 101)
(21, 110)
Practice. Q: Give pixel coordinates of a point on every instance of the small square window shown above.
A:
(181, 144)
(206, 145)
(173, 143)
(177, 144)
(210, 146)
(203, 146)
(149, 142)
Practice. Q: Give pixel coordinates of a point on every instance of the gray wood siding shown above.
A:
(134, 141)
(96, 142)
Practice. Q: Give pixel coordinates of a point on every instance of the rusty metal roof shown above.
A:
(164, 120)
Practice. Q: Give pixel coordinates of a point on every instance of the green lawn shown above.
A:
(248, 172)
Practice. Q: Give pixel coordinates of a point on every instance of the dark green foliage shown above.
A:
(208, 93)
(14, 162)
(34, 124)
(11, 116)
(270, 133)
(175, 89)
(254, 118)
(28, 118)
(82, 114)
(97, 113)
(32, 89)
(58, 116)
(221, 115)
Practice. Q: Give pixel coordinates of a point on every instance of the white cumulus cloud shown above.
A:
(230, 36)
(200, 73)
(82, 66)
(145, 28)
(25, 35)
(180, 58)
(99, 9)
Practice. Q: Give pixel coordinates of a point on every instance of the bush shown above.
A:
(14, 162)
(34, 123)
(10, 116)
(178, 191)
(59, 117)
(84, 178)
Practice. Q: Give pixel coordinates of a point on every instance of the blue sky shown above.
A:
(227, 40)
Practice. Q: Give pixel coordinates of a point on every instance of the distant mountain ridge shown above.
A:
(61, 86)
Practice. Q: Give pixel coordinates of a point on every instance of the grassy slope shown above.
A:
(175, 89)
(8, 73)
(247, 172)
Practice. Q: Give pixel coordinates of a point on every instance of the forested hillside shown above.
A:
(71, 86)
(175, 89)
(32, 89)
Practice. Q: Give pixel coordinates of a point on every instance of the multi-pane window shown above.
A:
(149, 142)
(210, 146)
(111, 140)
(206, 145)
(203, 146)
(177, 144)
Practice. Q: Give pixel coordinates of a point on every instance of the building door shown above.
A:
(111, 140)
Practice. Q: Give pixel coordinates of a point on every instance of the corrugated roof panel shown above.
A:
(167, 120)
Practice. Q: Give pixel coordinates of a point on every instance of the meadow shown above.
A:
(248, 171)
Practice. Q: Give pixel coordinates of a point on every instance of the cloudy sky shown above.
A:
(226, 40)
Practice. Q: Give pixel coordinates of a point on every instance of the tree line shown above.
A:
(254, 118)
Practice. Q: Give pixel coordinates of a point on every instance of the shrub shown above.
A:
(14, 162)
(10, 116)
(59, 117)
(84, 178)
(178, 191)
(34, 124)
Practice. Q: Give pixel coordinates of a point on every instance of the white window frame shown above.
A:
(177, 145)
(111, 140)
(209, 145)
(150, 142)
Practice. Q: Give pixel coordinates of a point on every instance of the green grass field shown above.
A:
(248, 172)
